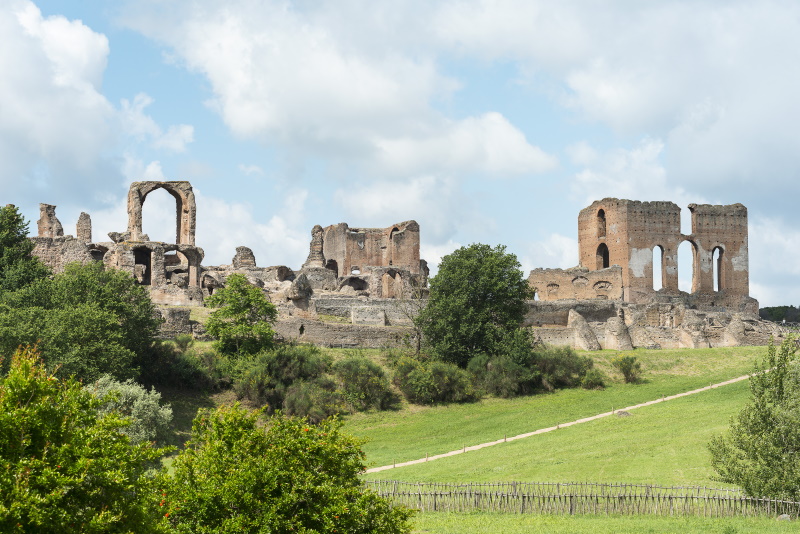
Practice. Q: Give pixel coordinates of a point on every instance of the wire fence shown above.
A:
(580, 498)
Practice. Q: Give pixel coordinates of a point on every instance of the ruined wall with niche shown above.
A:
(577, 283)
(628, 233)
(351, 250)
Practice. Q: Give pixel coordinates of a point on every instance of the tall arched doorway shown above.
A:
(602, 256)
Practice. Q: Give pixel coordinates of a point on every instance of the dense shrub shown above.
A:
(363, 384)
(265, 378)
(561, 367)
(203, 370)
(630, 368)
(239, 476)
(63, 467)
(593, 379)
(431, 382)
(316, 400)
(149, 420)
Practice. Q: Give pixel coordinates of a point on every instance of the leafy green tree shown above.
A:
(242, 322)
(87, 321)
(18, 267)
(238, 476)
(760, 451)
(476, 299)
(63, 467)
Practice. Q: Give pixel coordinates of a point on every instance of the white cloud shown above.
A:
(299, 76)
(251, 170)
(554, 252)
(433, 201)
(137, 124)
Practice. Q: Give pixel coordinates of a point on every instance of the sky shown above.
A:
(486, 121)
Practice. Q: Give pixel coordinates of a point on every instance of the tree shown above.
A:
(17, 266)
(243, 321)
(238, 476)
(760, 451)
(87, 321)
(476, 299)
(63, 467)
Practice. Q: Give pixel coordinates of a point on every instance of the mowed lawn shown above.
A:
(480, 523)
(415, 431)
(663, 444)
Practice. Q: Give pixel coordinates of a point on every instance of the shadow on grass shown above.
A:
(185, 404)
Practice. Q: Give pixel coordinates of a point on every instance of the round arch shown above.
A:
(186, 209)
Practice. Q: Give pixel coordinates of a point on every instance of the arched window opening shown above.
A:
(687, 267)
(392, 251)
(602, 256)
(601, 223)
(159, 222)
(716, 262)
(658, 267)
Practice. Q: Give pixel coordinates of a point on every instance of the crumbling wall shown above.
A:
(577, 283)
(350, 251)
(48, 224)
(186, 211)
(722, 229)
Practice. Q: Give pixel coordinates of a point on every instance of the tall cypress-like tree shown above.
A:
(18, 267)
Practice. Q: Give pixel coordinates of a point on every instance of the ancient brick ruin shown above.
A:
(610, 299)
(362, 286)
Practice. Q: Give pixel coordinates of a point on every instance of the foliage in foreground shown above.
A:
(238, 476)
(242, 322)
(627, 365)
(759, 452)
(63, 467)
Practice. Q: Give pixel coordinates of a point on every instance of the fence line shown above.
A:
(579, 498)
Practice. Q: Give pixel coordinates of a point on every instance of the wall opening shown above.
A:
(159, 220)
(716, 262)
(392, 252)
(601, 223)
(142, 265)
(602, 256)
(331, 265)
(658, 267)
(687, 270)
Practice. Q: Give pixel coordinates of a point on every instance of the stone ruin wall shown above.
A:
(626, 233)
(358, 277)
(577, 283)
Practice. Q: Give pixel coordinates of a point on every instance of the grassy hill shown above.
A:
(414, 431)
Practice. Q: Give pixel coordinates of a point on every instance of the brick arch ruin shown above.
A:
(186, 209)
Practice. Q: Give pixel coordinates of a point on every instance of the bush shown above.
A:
(202, 370)
(315, 400)
(63, 467)
(265, 378)
(524, 369)
(561, 367)
(627, 365)
(149, 420)
(593, 379)
(363, 384)
(431, 382)
(183, 342)
(238, 476)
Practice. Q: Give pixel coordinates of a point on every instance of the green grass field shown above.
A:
(479, 523)
(410, 433)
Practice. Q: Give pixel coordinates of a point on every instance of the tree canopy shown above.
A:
(242, 322)
(63, 467)
(237, 475)
(759, 452)
(17, 266)
(86, 321)
(476, 299)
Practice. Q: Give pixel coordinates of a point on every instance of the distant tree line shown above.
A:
(790, 314)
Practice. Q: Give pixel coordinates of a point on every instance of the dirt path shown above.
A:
(552, 428)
